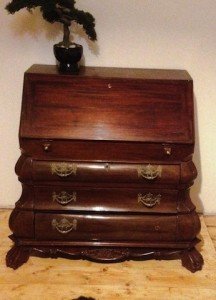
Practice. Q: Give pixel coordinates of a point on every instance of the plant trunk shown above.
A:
(66, 37)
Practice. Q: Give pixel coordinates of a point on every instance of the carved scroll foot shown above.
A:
(192, 260)
(17, 256)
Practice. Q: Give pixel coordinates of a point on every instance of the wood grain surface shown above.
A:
(106, 128)
(132, 106)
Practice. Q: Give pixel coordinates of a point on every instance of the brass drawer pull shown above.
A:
(64, 226)
(64, 198)
(149, 200)
(63, 169)
(149, 172)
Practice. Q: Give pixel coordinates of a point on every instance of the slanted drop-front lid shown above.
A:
(108, 104)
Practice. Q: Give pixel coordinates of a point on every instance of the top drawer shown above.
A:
(46, 149)
(106, 172)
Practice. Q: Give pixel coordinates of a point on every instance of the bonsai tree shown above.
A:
(62, 11)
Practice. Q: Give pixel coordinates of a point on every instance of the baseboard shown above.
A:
(7, 207)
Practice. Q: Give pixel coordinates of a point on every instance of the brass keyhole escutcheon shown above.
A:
(107, 167)
(157, 227)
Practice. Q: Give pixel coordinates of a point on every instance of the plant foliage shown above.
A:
(62, 11)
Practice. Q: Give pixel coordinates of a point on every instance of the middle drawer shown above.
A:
(106, 172)
(106, 199)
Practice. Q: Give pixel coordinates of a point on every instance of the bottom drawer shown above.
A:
(115, 227)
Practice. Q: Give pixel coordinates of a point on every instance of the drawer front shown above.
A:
(105, 150)
(106, 172)
(106, 200)
(105, 227)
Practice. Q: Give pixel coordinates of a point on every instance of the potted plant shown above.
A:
(66, 52)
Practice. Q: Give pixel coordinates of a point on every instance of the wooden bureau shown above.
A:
(106, 167)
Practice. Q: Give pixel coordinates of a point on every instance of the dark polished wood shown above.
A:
(192, 260)
(75, 243)
(106, 167)
(106, 150)
(108, 172)
(123, 200)
(171, 175)
(114, 227)
(107, 72)
(17, 256)
(107, 108)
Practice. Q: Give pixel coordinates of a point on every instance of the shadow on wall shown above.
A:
(33, 24)
(196, 189)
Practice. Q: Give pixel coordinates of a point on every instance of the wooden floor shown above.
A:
(65, 279)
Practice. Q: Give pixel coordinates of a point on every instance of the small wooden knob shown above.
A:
(168, 151)
(46, 147)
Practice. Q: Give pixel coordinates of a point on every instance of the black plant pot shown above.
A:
(68, 58)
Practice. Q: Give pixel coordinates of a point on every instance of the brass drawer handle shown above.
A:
(149, 172)
(64, 226)
(149, 200)
(63, 169)
(64, 198)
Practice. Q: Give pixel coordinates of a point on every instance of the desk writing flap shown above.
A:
(106, 107)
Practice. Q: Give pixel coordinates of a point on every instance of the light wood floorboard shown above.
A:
(210, 222)
(54, 279)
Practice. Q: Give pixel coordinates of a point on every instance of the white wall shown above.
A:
(139, 33)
